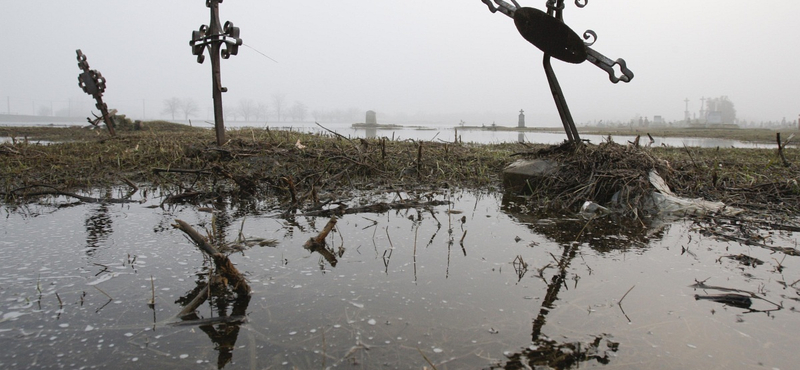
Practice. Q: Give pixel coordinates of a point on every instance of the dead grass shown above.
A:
(298, 167)
(606, 173)
(254, 162)
(617, 175)
(761, 135)
(747, 178)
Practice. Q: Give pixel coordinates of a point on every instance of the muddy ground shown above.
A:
(307, 170)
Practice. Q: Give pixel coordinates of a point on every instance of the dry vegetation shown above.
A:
(759, 135)
(299, 167)
(753, 179)
(253, 162)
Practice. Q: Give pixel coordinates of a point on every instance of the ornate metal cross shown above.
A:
(548, 32)
(93, 83)
(214, 37)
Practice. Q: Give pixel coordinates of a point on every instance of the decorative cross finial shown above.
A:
(93, 83)
(214, 38)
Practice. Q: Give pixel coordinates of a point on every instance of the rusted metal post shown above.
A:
(561, 102)
(213, 37)
(93, 83)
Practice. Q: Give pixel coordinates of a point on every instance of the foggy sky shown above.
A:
(440, 60)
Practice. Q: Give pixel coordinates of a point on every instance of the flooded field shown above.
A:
(445, 133)
(473, 283)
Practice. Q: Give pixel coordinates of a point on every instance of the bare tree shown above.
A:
(229, 113)
(247, 108)
(171, 106)
(262, 111)
(352, 113)
(728, 110)
(278, 104)
(299, 111)
(721, 110)
(317, 114)
(189, 108)
(45, 111)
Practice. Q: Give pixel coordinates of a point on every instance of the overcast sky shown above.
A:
(445, 60)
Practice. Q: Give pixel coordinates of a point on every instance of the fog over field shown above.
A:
(436, 62)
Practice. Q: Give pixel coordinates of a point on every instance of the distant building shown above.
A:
(658, 120)
(521, 123)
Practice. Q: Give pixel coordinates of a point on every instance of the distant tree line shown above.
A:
(188, 107)
(720, 110)
(249, 110)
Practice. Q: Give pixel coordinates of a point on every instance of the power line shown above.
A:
(265, 55)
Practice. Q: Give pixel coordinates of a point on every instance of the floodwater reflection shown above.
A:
(472, 282)
(547, 352)
(222, 327)
(98, 228)
(603, 233)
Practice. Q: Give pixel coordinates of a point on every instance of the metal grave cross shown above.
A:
(214, 37)
(548, 32)
(93, 83)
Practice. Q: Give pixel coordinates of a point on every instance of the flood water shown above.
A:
(471, 284)
(449, 134)
(488, 136)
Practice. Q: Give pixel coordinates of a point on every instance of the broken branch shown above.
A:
(224, 266)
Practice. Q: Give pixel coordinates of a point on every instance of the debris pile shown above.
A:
(613, 176)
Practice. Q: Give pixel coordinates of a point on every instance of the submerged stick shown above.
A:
(462, 243)
(625, 295)
(199, 299)
(152, 302)
(104, 293)
(55, 191)
(620, 303)
(319, 241)
(198, 239)
(426, 359)
(235, 278)
(130, 183)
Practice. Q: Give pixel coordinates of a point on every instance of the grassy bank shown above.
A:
(253, 161)
(757, 135)
(301, 167)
